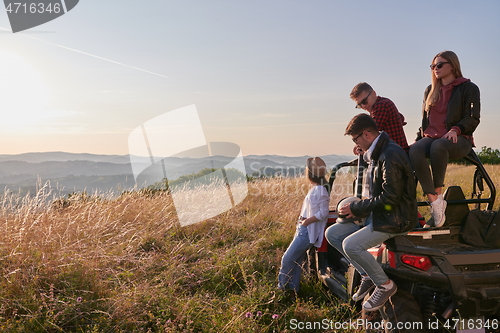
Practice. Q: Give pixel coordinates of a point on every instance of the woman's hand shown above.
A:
(452, 136)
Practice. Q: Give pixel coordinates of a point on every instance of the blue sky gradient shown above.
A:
(271, 76)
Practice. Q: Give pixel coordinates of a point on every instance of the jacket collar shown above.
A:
(383, 139)
(368, 154)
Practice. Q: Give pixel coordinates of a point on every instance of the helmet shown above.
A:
(342, 218)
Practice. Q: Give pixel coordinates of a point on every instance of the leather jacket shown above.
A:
(393, 202)
(464, 109)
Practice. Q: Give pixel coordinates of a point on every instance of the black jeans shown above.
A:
(439, 151)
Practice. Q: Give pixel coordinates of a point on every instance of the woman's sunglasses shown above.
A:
(439, 64)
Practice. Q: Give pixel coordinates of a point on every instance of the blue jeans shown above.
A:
(353, 242)
(293, 259)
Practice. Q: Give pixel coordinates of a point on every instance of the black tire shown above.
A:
(401, 309)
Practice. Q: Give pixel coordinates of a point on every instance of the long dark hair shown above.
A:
(317, 180)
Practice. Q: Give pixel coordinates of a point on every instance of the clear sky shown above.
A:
(272, 76)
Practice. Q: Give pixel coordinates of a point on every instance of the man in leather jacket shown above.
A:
(390, 209)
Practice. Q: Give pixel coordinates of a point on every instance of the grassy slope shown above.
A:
(125, 265)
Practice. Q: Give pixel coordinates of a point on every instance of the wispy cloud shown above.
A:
(89, 54)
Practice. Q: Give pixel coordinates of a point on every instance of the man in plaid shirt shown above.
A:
(383, 111)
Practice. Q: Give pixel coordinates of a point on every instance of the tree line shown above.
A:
(488, 155)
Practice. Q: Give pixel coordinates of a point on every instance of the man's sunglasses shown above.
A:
(439, 64)
(357, 137)
(365, 100)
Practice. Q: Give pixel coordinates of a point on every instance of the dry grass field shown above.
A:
(98, 264)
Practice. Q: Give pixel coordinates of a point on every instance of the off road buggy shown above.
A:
(443, 283)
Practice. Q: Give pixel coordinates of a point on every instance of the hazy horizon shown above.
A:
(126, 155)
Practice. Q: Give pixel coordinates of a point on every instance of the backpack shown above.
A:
(482, 229)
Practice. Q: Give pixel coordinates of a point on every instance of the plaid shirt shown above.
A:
(390, 120)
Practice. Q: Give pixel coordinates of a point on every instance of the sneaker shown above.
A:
(438, 209)
(364, 288)
(379, 297)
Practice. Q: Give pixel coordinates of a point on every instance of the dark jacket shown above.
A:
(393, 202)
(464, 107)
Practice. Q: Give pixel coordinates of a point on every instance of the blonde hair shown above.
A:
(436, 84)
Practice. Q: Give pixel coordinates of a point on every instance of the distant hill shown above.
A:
(58, 156)
(72, 172)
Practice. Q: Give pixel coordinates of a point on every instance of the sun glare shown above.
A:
(23, 93)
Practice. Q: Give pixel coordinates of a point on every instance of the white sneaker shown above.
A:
(438, 209)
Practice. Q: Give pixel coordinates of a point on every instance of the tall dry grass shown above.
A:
(94, 263)
(463, 176)
(102, 264)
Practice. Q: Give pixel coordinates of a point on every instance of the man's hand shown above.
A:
(357, 151)
(346, 210)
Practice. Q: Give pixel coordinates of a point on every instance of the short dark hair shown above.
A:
(359, 88)
(359, 123)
